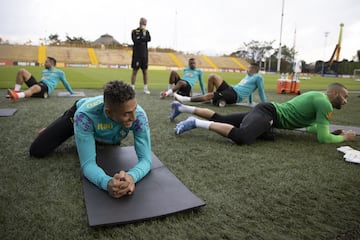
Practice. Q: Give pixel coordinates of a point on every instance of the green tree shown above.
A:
(78, 41)
(54, 39)
(254, 51)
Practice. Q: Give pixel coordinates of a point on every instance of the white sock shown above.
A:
(17, 87)
(145, 87)
(133, 87)
(202, 123)
(169, 92)
(183, 98)
(187, 109)
(170, 86)
(21, 94)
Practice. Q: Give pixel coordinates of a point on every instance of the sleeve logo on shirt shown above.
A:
(83, 122)
(141, 122)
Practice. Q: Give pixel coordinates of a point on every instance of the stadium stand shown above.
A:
(112, 56)
(72, 56)
(200, 63)
(41, 54)
(160, 59)
(92, 56)
(18, 53)
(208, 60)
(226, 63)
(69, 54)
(175, 60)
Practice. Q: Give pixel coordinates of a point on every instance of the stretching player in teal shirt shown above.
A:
(106, 119)
(50, 78)
(184, 85)
(311, 110)
(226, 94)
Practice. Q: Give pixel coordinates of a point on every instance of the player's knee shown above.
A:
(37, 151)
(214, 77)
(35, 89)
(23, 72)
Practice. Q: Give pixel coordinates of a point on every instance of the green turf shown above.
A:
(293, 188)
(96, 77)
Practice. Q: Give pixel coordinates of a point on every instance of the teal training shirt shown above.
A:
(51, 78)
(311, 110)
(248, 85)
(191, 76)
(91, 124)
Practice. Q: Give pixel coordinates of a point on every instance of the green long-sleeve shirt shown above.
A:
(311, 110)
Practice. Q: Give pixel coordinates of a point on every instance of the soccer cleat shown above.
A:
(8, 95)
(146, 91)
(185, 125)
(174, 110)
(163, 95)
(13, 95)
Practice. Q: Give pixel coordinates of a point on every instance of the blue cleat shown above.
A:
(174, 110)
(185, 125)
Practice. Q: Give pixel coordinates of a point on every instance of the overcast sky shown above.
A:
(213, 27)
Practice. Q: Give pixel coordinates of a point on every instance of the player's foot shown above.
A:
(174, 110)
(185, 125)
(13, 95)
(177, 97)
(8, 95)
(163, 95)
(146, 91)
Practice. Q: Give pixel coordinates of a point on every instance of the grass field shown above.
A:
(293, 188)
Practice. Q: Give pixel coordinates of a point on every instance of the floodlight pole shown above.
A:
(279, 52)
(323, 63)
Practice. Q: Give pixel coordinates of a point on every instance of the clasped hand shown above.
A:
(349, 135)
(121, 184)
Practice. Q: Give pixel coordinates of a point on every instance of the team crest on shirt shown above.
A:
(328, 115)
(243, 81)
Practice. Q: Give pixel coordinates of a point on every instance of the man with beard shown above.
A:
(226, 94)
(50, 77)
(184, 85)
(311, 110)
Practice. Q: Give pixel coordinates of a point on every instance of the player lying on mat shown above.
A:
(312, 110)
(105, 119)
(226, 94)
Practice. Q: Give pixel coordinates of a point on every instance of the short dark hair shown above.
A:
(255, 64)
(53, 60)
(335, 86)
(116, 91)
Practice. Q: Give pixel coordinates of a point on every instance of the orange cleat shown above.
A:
(13, 95)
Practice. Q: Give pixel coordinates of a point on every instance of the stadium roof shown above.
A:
(106, 39)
